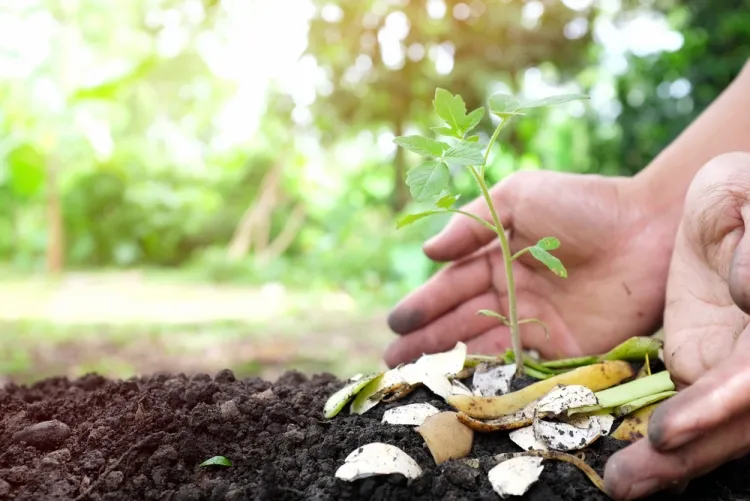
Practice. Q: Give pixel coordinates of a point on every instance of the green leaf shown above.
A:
(464, 153)
(549, 261)
(446, 131)
(451, 109)
(216, 461)
(494, 314)
(422, 145)
(503, 103)
(548, 243)
(473, 139)
(411, 218)
(447, 201)
(428, 180)
(472, 120)
(553, 100)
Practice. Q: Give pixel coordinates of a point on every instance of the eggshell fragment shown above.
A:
(412, 414)
(526, 439)
(565, 397)
(562, 436)
(377, 459)
(514, 477)
(490, 381)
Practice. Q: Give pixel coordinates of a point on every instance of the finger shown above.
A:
(739, 271)
(640, 469)
(460, 324)
(445, 290)
(714, 399)
(463, 235)
(497, 340)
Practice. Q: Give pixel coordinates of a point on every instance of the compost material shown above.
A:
(145, 438)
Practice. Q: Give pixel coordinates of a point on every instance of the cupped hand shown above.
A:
(616, 251)
(707, 342)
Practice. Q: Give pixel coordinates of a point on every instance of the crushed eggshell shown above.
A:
(377, 459)
(458, 388)
(526, 439)
(490, 381)
(338, 400)
(565, 397)
(605, 422)
(561, 436)
(412, 414)
(514, 477)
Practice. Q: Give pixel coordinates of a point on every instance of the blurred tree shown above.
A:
(662, 93)
(383, 59)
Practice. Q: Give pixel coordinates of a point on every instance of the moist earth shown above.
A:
(144, 438)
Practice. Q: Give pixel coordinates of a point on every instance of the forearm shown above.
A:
(722, 128)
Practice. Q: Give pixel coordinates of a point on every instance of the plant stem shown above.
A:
(515, 335)
(520, 253)
(492, 142)
(475, 218)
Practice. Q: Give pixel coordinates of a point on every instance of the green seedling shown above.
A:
(216, 461)
(457, 149)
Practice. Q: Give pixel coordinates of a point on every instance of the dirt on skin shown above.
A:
(97, 439)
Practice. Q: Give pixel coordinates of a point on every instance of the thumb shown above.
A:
(462, 235)
(739, 271)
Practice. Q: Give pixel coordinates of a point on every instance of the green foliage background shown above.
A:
(145, 182)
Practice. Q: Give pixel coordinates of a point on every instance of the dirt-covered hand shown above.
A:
(616, 252)
(707, 343)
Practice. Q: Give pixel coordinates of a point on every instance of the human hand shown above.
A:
(616, 252)
(707, 342)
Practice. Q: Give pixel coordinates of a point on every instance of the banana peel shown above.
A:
(635, 426)
(595, 377)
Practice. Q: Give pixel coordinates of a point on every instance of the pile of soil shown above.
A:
(144, 438)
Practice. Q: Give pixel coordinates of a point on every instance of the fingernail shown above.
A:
(402, 321)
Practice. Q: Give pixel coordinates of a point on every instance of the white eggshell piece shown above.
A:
(526, 439)
(566, 397)
(514, 477)
(377, 459)
(562, 436)
(492, 381)
(412, 414)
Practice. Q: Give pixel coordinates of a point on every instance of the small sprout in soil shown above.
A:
(645, 369)
(377, 459)
(595, 377)
(514, 476)
(625, 409)
(559, 456)
(628, 392)
(492, 380)
(216, 461)
(338, 400)
(446, 436)
(410, 415)
(635, 426)
(459, 150)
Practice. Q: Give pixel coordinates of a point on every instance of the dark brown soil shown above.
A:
(144, 439)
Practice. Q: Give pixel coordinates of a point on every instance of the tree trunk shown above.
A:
(55, 232)
(400, 193)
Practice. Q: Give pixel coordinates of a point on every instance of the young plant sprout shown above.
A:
(457, 150)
